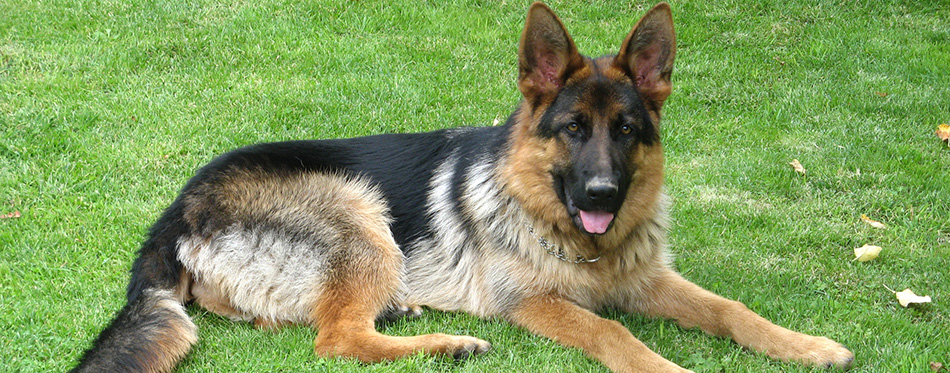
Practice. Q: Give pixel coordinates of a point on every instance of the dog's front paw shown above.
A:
(825, 352)
(833, 354)
(465, 346)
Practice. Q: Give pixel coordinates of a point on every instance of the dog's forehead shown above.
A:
(605, 66)
(601, 96)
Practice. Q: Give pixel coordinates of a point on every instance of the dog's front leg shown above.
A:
(670, 295)
(605, 340)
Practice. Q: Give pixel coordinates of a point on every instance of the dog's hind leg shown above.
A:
(307, 248)
(360, 286)
(346, 328)
(361, 274)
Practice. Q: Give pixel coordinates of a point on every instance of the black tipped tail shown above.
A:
(150, 334)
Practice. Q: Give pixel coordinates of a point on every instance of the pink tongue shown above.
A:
(596, 222)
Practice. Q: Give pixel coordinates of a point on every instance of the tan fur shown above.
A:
(527, 173)
(605, 340)
(172, 343)
(672, 296)
(345, 323)
(361, 286)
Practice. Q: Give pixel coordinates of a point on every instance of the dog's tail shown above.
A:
(152, 333)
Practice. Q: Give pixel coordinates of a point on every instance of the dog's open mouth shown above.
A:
(591, 222)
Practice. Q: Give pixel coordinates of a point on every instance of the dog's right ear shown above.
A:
(546, 56)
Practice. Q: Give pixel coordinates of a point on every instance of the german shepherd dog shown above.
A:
(556, 214)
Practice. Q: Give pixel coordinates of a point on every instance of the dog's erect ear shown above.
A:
(546, 56)
(647, 55)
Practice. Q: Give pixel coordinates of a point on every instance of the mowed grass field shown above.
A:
(107, 107)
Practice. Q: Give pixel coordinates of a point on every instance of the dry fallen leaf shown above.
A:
(797, 166)
(906, 297)
(873, 223)
(882, 94)
(935, 366)
(12, 215)
(866, 253)
(943, 132)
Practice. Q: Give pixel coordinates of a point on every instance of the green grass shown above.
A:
(107, 107)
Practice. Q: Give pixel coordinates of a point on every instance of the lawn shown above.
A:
(108, 106)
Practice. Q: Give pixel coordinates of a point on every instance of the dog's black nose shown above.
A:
(601, 192)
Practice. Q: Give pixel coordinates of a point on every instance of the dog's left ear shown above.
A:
(646, 56)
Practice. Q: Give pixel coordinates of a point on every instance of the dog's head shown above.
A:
(586, 136)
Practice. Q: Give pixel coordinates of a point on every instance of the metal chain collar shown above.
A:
(556, 251)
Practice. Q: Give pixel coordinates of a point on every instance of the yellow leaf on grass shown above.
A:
(12, 215)
(907, 297)
(797, 166)
(866, 253)
(873, 223)
(943, 132)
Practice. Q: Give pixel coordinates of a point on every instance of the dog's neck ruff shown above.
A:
(556, 251)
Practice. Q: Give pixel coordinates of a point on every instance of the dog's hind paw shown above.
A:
(397, 312)
(411, 311)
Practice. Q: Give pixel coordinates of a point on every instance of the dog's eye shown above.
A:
(573, 127)
(626, 129)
